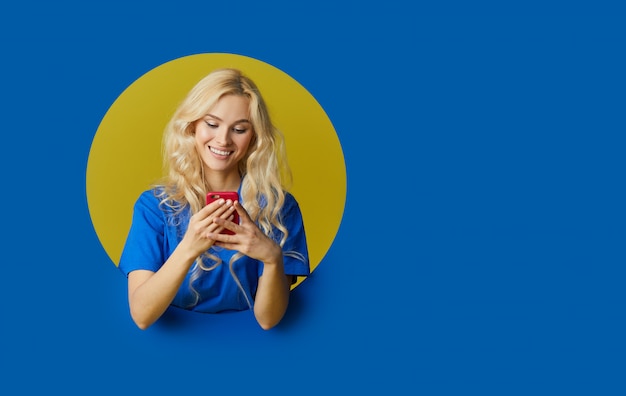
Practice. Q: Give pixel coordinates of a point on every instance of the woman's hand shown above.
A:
(248, 238)
(272, 296)
(150, 293)
(202, 225)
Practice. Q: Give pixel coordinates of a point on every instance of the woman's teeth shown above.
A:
(219, 152)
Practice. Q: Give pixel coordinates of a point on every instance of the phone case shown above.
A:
(233, 196)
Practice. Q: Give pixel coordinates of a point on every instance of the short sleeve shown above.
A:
(295, 250)
(144, 247)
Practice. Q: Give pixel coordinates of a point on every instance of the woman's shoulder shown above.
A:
(154, 202)
(152, 195)
(290, 203)
(156, 199)
(290, 199)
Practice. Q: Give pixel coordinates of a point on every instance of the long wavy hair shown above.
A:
(264, 169)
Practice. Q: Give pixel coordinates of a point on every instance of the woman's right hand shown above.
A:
(150, 293)
(201, 225)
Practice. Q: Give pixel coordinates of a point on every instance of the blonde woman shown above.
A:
(220, 138)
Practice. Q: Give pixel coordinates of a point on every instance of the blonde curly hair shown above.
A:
(267, 173)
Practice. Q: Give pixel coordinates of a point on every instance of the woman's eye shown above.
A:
(211, 124)
(239, 130)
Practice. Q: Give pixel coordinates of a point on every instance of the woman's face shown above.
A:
(224, 134)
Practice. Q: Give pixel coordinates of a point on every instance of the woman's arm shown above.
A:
(272, 296)
(150, 293)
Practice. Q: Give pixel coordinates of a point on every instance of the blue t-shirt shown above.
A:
(155, 232)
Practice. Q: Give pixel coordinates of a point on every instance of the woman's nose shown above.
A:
(222, 136)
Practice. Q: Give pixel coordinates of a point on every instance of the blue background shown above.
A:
(482, 245)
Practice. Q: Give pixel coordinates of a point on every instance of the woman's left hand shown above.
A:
(248, 238)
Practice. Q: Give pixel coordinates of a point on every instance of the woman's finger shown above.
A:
(243, 214)
(215, 228)
(215, 209)
(228, 224)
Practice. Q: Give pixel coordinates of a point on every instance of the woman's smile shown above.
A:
(223, 135)
(221, 153)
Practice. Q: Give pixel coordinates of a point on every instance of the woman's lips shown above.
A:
(223, 153)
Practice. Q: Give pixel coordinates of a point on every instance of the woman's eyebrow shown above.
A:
(236, 122)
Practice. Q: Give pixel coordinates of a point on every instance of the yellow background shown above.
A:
(125, 156)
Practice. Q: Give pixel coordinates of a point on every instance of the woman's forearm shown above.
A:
(151, 293)
(272, 296)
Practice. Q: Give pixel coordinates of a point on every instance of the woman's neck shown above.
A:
(217, 181)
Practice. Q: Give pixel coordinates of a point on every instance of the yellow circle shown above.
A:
(125, 156)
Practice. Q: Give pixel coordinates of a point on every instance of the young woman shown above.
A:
(220, 138)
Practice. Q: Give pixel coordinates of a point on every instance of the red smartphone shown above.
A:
(233, 196)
